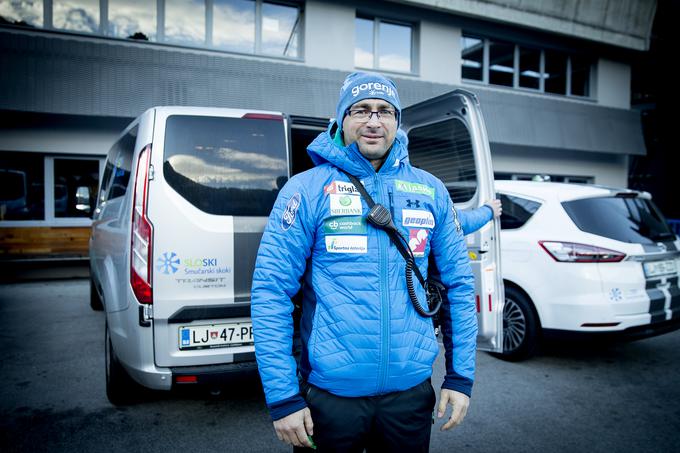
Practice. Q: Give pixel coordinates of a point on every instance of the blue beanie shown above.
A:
(366, 85)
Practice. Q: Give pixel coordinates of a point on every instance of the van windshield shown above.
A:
(635, 220)
(226, 166)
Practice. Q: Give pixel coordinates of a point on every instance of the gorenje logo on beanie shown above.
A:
(374, 88)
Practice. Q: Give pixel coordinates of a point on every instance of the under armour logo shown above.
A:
(412, 203)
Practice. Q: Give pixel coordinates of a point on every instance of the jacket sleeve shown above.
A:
(281, 259)
(474, 219)
(458, 314)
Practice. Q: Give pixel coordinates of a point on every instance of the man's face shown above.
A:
(375, 136)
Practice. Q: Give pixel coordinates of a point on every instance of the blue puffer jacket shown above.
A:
(474, 219)
(360, 334)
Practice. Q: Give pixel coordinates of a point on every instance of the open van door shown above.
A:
(447, 137)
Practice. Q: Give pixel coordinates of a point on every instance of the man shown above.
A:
(367, 354)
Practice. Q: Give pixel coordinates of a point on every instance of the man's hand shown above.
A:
(495, 206)
(460, 403)
(294, 428)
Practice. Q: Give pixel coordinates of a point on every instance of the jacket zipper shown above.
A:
(384, 300)
(389, 193)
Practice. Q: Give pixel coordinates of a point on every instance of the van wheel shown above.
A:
(120, 388)
(520, 327)
(95, 300)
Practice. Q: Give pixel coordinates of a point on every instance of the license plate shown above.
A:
(657, 268)
(216, 336)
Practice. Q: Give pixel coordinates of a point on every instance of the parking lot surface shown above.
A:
(621, 397)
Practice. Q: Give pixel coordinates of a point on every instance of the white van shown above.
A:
(183, 202)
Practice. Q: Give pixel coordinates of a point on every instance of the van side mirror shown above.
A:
(83, 202)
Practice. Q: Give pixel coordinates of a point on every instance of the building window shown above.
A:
(75, 187)
(530, 68)
(132, 19)
(76, 15)
(384, 45)
(511, 65)
(185, 22)
(244, 26)
(473, 58)
(22, 193)
(555, 74)
(28, 13)
(580, 76)
(545, 177)
(501, 63)
(280, 30)
(234, 25)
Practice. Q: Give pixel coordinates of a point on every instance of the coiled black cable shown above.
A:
(432, 294)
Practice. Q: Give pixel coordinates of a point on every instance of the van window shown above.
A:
(635, 220)
(226, 166)
(516, 211)
(445, 150)
(122, 164)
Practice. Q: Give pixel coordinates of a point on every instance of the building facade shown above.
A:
(553, 79)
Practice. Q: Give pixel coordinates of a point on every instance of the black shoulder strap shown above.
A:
(388, 226)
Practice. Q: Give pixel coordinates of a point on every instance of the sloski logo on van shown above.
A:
(289, 214)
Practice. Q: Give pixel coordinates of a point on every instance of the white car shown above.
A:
(581, 260)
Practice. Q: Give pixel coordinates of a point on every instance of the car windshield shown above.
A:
(635, 220)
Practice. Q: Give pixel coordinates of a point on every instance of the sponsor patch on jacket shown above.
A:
(414, 187)
(341, 187)
(417, 241)
(417, 218)
(290, 213)
(345, 225)
(456, 220)
(347, 244)
(345, 204)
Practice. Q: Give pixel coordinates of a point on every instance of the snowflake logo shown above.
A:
(615, 294)
(168, 263)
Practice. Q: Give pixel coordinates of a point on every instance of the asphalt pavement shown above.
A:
(595, 398)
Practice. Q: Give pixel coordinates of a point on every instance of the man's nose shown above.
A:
(373, 119)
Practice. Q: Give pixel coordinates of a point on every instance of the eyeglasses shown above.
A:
(365, 115)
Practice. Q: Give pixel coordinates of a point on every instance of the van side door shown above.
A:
(447, 137)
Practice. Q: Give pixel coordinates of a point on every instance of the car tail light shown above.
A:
(142, 233)
(571, 252)
(263, 116)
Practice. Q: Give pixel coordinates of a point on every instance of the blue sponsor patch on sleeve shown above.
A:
(290, 213)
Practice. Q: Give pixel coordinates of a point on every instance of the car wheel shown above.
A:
(120, 388)
(520, 326)
(95, 300)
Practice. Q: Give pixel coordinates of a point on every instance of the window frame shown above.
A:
(49, 194)
(103, 29)
(376, 43)
(591, 96)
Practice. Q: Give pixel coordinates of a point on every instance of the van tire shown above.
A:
(520, 327)
(95, 301)
(121, 390)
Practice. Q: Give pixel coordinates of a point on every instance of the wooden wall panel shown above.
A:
(36, 242)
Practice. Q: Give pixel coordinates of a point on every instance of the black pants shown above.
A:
(395, 422)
